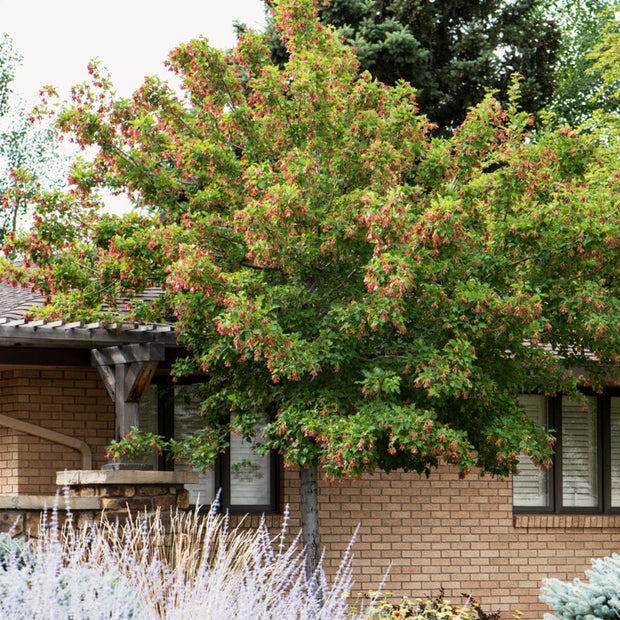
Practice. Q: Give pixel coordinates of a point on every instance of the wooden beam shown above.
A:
(76, 335)
(137, 379)
(126, 372)
(127, 354)
(48, 356)
(106, 372)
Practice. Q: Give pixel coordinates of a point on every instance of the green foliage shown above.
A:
(580, 90)
(136, 446)
(451, 52)
(200, 449)
(605, 59)
(381, 294)
(30, 154)
(596, 599)
(8, 64)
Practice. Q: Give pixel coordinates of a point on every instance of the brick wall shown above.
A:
(459, 534)
(70, 401)
(8, 461)
(441, 531)
(8, 446)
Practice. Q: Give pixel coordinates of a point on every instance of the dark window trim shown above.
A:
(606, 452)
(560, 508)
(165, 403)
(552, 407)
(274, 482)
(604, 470)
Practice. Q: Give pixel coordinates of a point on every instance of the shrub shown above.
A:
(196, 567)
(433, 608)
(136, 446)
(58, 577)
(12, 550)
(597, 600)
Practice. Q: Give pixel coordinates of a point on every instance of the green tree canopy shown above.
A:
(382, 294)
(605, 58)
(582, 91)
(451, 52)
(30, 154)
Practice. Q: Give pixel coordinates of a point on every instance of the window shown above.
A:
(585, 476)
(531, 488)
(246, 482)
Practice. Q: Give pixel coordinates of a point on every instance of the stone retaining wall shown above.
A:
(89, 494)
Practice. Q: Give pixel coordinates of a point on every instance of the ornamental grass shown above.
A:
(196, 566)
(186, 565)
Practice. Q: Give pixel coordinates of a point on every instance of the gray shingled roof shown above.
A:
(16, 302)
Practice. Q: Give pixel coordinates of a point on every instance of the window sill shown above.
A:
(578, 521)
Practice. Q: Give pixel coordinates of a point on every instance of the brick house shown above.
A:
(67, 389)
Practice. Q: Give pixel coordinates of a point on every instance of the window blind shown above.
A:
(579, 453)
(531, 486)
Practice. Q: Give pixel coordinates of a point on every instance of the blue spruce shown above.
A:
(598, 599)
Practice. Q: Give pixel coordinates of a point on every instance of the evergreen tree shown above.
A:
(597, 600)
(451, 52)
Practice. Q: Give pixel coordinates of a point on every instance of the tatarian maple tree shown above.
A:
(382, 295)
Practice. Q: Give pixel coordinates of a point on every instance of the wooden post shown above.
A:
(126, 410)
(126, 372)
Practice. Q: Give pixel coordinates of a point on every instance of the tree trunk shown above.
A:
(310, 520)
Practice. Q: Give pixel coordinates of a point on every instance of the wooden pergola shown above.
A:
(125, 354)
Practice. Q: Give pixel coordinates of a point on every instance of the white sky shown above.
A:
(57, 38)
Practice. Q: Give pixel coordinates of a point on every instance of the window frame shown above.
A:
(603, 461)
(225, 483)
(165, 417)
